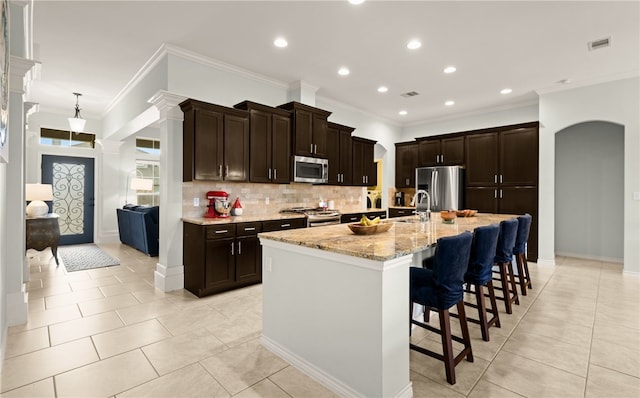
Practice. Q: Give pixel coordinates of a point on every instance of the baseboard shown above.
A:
(108, 237)
(168, 279)
(542, 261)
(328, 381)
(592, 258)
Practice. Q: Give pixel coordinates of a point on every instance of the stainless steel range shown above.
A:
(316, 217)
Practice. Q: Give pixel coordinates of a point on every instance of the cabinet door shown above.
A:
(519, 157)
(219, 272)
(208, 146)
(370, 170)
(516, 200)
(482, 159)
(333, 154)
(248, 259)
(452, 151)
(260, 146)
(281, 149)
(483, 199)
(303, 132)
(406, 163)
(358, 163)
(346, 162)
(429, 152)
(320, 135)
(236, 148)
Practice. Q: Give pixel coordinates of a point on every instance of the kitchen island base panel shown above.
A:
(342, 320)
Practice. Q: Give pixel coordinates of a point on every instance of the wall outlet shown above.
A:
(266, 200)
(196, 202)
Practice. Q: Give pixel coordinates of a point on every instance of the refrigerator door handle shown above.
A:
(434, 197)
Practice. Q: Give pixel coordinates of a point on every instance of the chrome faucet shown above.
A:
(422, 209)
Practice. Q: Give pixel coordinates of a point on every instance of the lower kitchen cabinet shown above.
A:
(355, 217)
(400, 212)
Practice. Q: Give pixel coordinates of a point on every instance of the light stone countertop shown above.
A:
(240, 219)
(402, 239)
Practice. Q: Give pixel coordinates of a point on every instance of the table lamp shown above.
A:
(139, 184)
(37, 194)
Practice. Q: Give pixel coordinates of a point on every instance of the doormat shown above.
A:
(86, 256)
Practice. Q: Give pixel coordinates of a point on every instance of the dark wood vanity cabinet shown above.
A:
(270, 143)
(215, 142)
(442, 151)
(364, 169)
(309, 136)
(339, 154)
(406, 163)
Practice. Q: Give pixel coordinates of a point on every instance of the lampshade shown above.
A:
(141, 184)
(76, 123)
(37, 194)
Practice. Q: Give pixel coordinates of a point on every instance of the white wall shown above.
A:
(3, 261)
(616, 102)
(589, 186)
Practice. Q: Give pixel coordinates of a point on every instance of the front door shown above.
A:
(73, 195)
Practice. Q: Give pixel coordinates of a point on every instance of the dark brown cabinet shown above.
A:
(215, 142)
(448, 151)
(269, 143)
(355, 217)
(364, 169)
(502, 174)
(400, 212)
(284, 224)
(309, 135)
(406, 163)
(339, 152)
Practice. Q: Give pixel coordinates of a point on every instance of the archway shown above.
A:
(589, 191)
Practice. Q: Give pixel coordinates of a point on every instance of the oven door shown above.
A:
(311, 170)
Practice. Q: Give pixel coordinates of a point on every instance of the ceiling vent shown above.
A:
(409, 94)
(598, 44)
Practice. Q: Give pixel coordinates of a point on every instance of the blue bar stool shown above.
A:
(504, 255)
(524, 225)
(479, 274)
(439, 289)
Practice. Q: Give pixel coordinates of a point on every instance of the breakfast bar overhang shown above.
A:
(336, 305)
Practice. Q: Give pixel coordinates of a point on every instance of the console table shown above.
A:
(43, 232)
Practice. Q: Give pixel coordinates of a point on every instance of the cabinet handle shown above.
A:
(284, 225)
(353, 218)
(275, 174)
(495, 178)
(441, 158)
(227, 170)
(315, 149)
(495, 194)
(232, 247)
(500, 178)
(407, 182)
(250, 229)
(222, 231)
(400, 211)
(220, 171)
(501, 194)
(269, 173)
(311, 150)
(239, 248)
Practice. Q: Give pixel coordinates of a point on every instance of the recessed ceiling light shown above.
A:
(449, 69)
(414, 44)
(450, 103)
(506, 91)
(280, 42)
(402, 113)
(356, 2)
(382, 89)
(343, 71)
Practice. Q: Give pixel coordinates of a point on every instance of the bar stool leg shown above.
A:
(522, 279)
(512, 282)
(447, 346)
(465, 331)
(494, 303)
(482, 312)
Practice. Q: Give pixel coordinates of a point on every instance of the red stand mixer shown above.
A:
(219, 206)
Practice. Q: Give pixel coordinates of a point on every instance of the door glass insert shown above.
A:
(68, 197)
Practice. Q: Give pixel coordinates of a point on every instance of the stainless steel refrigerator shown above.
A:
(445, 185)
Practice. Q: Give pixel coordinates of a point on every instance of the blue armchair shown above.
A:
(139, 227)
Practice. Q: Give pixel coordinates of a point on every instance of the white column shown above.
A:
(107, 198)
(169, 274)
(17, 298)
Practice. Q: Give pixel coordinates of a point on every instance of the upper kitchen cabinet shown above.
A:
(309, 135)
(482, 159)
(406, 163)
(339, 153)
(364, 169)
(441, 151)
(270, 143)
(215, 142)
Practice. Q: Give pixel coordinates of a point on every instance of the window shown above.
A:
(67, 138)
(148, 146)
(149, 170)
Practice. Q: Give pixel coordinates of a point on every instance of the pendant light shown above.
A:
(77, 122)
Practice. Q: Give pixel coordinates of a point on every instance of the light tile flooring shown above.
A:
(107, 332)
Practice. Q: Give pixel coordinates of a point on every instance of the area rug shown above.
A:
(85, 256)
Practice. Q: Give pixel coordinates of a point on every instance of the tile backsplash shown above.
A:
(254, 197)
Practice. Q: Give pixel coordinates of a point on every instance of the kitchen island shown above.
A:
(336, 304)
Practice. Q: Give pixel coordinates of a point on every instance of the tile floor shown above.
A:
(107, 332)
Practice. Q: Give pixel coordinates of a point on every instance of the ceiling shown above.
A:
(97, 47)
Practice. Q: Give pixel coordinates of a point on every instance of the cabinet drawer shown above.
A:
(280, 225)
(248, 228)
(221, 231)
(400, 212)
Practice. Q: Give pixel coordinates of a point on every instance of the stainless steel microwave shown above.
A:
(313, 170)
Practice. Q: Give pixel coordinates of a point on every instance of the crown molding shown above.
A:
(335, 102)
(18, 72)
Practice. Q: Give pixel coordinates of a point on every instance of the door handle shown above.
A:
(239, 248)
(227, 171)
(500, 178)
(269, 173)
(275, 174)
(495, 178)
(311, 150)
(495, 194)
(501, 194)
(232, 253)
(220, 171)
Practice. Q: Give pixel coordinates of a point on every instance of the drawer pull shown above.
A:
(250, 229)
(222, 231)
(285, 225)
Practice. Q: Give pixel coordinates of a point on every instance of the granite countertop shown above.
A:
(239, 219)
(402, 239)
(372, 210)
